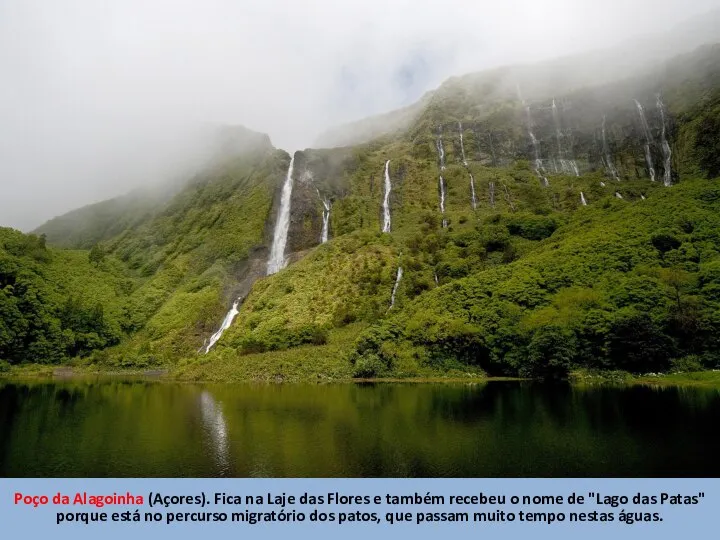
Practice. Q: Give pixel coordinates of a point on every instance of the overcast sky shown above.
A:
(96, 96)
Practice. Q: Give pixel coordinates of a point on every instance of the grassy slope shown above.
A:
(192, 252)
(54, 303)
(185, 261)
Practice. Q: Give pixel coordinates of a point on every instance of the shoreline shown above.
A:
(41, 372)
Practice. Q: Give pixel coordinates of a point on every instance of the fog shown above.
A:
(99, 97)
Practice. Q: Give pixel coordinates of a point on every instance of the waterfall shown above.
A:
(618, 195)
(492, 194)
(642, 197)
(534, 141)
(536, 149)
(462, 144)
(472, 179)
(395, 287)
(227, 321)
(667, 153)
(606, 150)
(277, 252)
(582, 199)
(441, 153)
(386, 200)
(574, 167)
(558, 134)
(602, 184)
(472, 192)
(442, 200)
(326, 221)
(648, 140)
(437, 281)
(567, 165)
(325, 216)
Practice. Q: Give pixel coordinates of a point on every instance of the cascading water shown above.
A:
(441, 156)
(642, 197)
(395, 287)
(534, 141)
(227, 321)
(618, 195)
(582, 199)
(326, 221)
(473, 199)
(491, 187)
(276, 262)
(386, 199)
(472, 192)
(325, 216)
(442, 200)
(602, 184)
(462, 144)
(667, 153)
(567, 165)
(606, 150)
(558, 135)
(648, 140)
(441, 153)
(539, 169)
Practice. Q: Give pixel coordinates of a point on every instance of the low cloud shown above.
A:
(101, 97)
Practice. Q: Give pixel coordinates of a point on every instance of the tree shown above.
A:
(97, 255)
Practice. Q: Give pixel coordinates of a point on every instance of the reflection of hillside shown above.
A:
(75, 428)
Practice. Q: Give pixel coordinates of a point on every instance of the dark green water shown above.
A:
(142, 428)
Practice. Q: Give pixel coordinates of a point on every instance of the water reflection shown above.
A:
(217, 432)
(140, 428)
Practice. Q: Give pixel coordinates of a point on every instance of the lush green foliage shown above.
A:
(627, 286)
(55, 305)
(524, 280)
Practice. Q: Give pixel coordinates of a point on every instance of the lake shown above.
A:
(126, 428)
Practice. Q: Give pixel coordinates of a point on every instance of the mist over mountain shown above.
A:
(102, 100)
(537, 219)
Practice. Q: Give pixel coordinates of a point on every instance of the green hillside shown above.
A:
(532, 240)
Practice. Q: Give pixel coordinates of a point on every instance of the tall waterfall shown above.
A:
(472, 192)
(441, 181)
(442, 200)
(441, 153)
(227, 321)
(606, 150)
(473, 199)
(667, 153)
(539, 169)
(533, 140)
(326, 221)
(582, 199)
(327, 205)
(491, 187)
(462, 144)
(276, 262)
(648, 140)
(567, 165)
(386, 199)
(395, 287)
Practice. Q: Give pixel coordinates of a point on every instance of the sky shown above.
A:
(98, 97)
